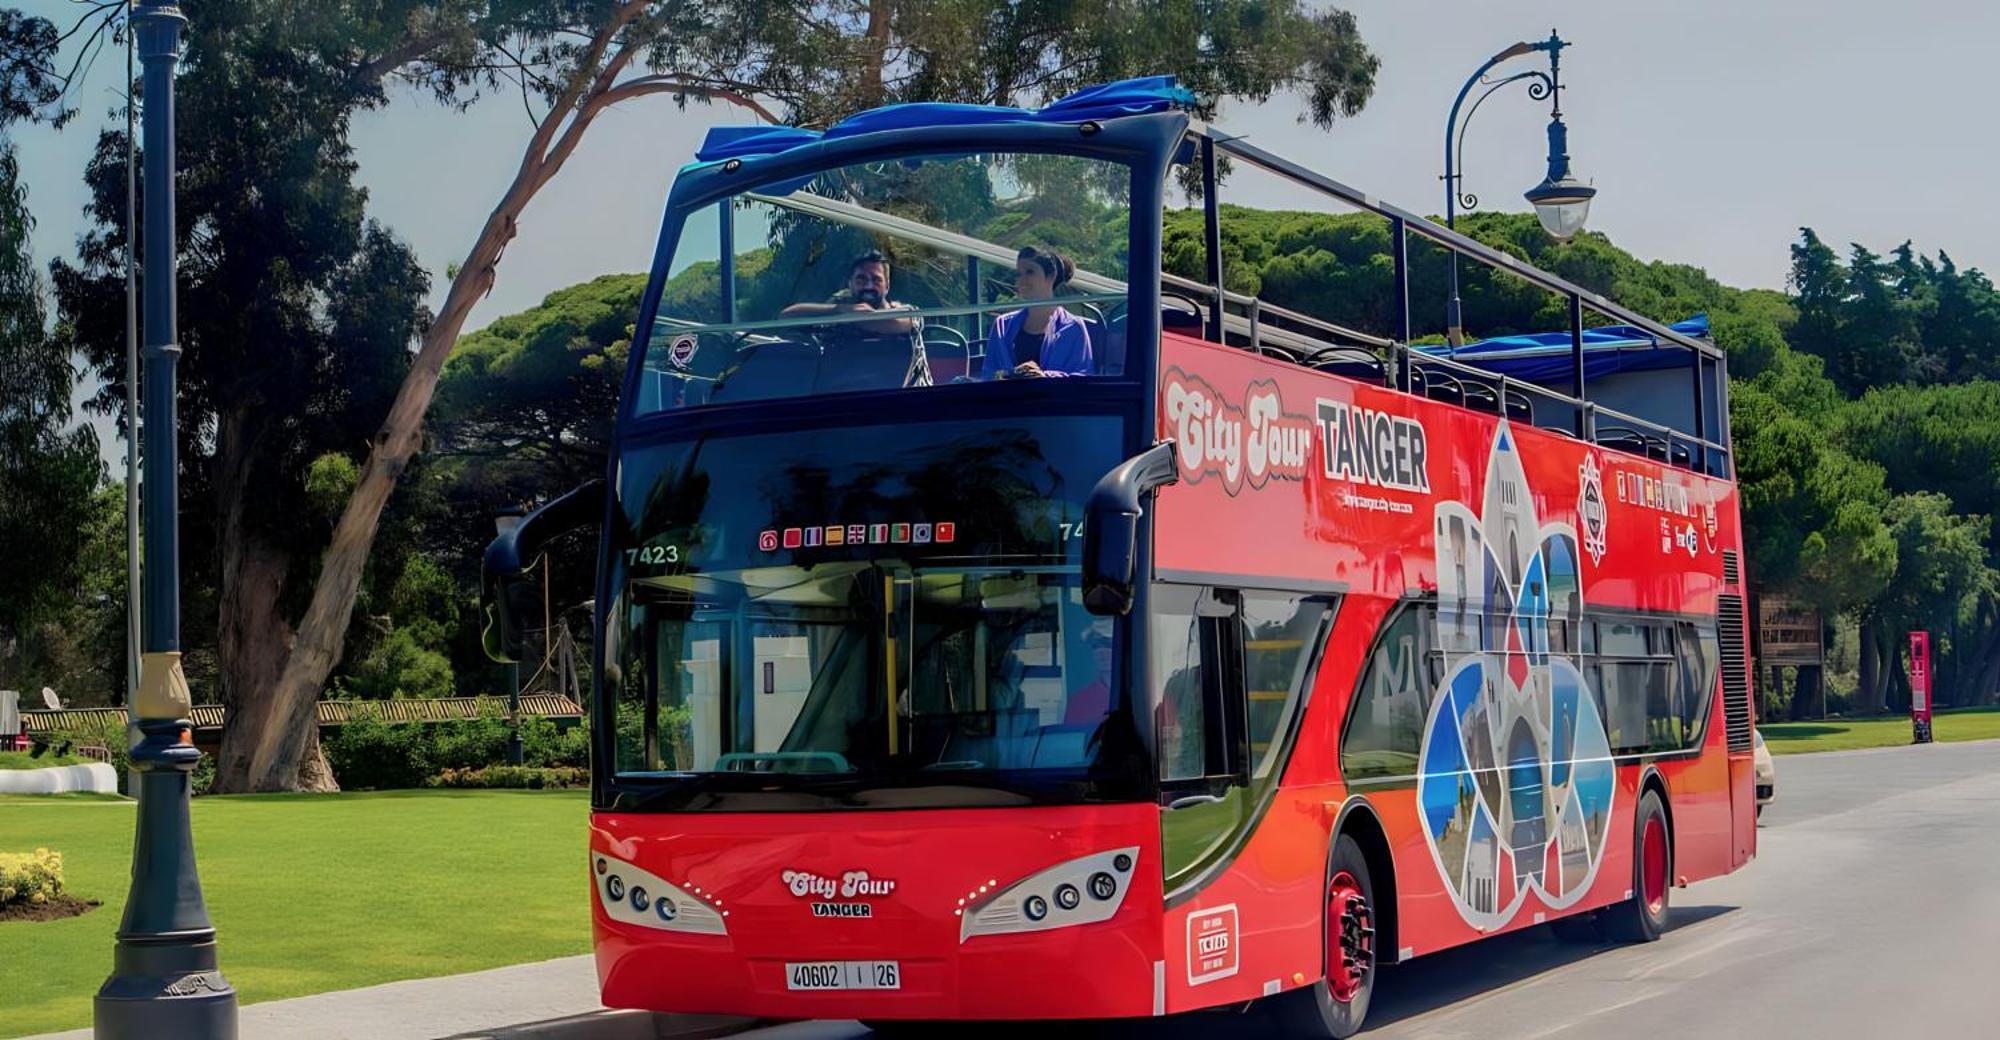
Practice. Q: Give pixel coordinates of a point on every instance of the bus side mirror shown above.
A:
(506, 597)
(1111, 527)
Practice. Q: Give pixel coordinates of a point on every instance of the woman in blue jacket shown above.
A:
(1042, 340)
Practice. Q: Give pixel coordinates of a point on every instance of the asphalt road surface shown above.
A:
(1872, 910)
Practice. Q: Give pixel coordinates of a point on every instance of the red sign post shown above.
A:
(1920, 687)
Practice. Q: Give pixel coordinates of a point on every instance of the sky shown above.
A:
(1712, 129)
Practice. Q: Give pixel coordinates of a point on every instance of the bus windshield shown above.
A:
(891, 275)
(874, 668)
(898, 603)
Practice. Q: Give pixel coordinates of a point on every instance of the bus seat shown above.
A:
(778, 368)
(1107, 348)
(1481, 398)
(864, 363)
(1180, 320)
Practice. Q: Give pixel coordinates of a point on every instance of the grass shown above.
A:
(311, 893)
(25, 760)
(1952, 724)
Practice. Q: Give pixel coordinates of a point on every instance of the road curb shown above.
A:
(618, 1025)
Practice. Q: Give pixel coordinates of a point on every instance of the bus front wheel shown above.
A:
(1335, 1006)
(1643, 917)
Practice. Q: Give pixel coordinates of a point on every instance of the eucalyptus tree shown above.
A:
(806, 63)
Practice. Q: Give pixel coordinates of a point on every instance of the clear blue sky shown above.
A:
(1712, 130)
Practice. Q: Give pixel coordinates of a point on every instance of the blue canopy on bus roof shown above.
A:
(1544, 357)
(1127, 97)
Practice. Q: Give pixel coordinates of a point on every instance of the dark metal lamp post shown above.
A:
(1561, 202)
(164, 980)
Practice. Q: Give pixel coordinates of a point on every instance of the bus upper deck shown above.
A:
(766, 221)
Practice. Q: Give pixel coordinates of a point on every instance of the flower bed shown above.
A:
(31, 888)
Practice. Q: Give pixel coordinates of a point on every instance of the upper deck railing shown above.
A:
(1701, 449)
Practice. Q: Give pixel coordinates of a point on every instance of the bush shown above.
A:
(400, 665)
(529, 777)
(468, 743)
(203, 780)
(107, 734)
(370, 754)
(544, 743)
(30, 877)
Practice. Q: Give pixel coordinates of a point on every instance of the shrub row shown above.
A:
(30, 877)
(531, 777)
(370, 754)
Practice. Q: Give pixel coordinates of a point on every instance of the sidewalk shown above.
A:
(552, 1000)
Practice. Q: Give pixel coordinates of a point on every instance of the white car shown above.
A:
(1767, 774)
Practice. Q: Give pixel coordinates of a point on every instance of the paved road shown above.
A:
(1873, 910)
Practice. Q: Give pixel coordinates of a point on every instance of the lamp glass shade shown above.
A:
(1562, 206)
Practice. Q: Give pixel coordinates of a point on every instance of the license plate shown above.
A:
(823, 975)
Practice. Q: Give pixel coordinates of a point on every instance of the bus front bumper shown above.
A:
(1011, 913)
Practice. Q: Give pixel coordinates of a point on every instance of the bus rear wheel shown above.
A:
(1642, 918)
(1335, 1006)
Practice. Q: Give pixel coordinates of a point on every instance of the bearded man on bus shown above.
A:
(867, 290)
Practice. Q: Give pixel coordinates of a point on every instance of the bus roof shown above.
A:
(1128, 97)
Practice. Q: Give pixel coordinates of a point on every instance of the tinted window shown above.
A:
(1180, 719)
(1386, 723)
(1653, 681)
(1278, 629)
(1232, 669)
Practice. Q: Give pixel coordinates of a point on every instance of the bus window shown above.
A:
(1696, 651)
(1181, 718)
(1386, 723)
(1232, 668)
(1277, 629)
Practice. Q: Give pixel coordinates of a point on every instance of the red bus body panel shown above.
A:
(935, 857)
(1246, 507)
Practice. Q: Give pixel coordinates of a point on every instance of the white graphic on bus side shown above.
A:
(1515, 779)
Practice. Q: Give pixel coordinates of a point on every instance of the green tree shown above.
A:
(296, 317)
(48, 468)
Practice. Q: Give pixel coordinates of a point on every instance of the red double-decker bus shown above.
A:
(989, 632)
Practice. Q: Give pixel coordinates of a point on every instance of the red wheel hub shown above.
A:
(1653, 865)
(1350, 938)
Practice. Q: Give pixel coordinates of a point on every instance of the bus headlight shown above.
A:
(1053, 898)
(633, 896)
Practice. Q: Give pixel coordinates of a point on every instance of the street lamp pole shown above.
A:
(164, 980)
(1560, 200)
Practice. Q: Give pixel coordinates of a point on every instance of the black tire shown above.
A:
(1641, 919)
(904, 1029)
(1582, 929)
(1314, 1011)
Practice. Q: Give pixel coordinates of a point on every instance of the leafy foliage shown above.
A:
(48, 470)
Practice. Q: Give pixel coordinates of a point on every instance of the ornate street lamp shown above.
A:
(1561, 202)
(165, 980)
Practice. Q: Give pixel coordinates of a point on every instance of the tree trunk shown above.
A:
(253, 637)
(1896, 693)
(288, 732)
(1868, 695)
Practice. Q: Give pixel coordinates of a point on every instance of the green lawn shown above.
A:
(1846, 734)
(311, 893)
